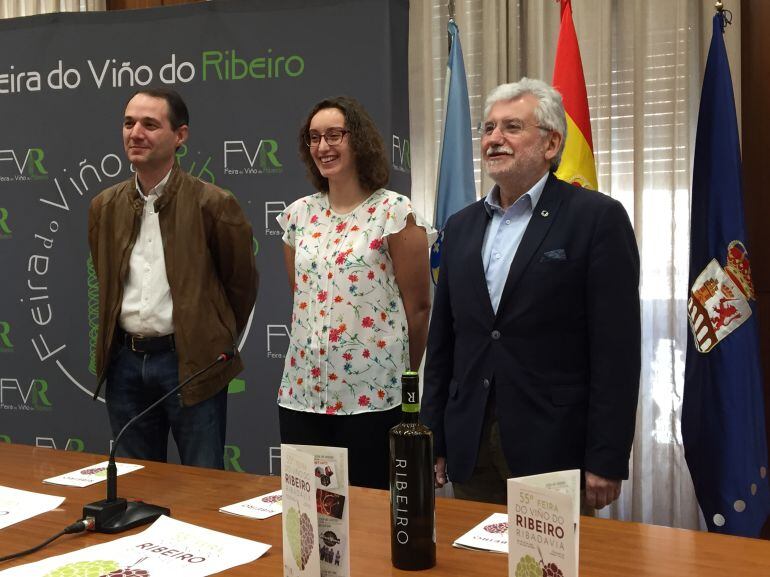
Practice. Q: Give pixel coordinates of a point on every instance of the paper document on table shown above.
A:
(167, 547)
(260, 507)
(17, 505)
(489, 535)
(90, 475)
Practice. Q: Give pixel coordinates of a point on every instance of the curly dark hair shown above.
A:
(365, 142)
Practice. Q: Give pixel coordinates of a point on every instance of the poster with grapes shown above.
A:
(167, 547)
(17, 505)
(544, 525)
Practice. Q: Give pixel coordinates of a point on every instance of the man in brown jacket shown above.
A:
(177, 282)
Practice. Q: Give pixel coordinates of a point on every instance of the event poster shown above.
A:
(17, 505)
(167, 547)
(320, 474)
(544, 524)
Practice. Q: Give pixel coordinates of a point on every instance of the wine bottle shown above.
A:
(412, 498)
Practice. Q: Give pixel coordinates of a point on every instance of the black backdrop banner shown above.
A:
(249, 71)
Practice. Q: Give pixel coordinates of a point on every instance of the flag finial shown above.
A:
(719, 6)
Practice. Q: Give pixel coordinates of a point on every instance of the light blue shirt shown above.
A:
(503, 235)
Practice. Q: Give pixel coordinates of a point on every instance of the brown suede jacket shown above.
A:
(207, 244)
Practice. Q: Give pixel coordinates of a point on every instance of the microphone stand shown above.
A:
(114, 514)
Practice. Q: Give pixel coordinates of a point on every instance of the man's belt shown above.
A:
(146, 345)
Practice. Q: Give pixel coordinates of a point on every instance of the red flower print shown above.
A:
(302, 354)
(366, 354)
(340, 258)
(280, 392)
(337, 405)
(329, 275)
(332, 376)
(381, 394)
(364, 401)
(347, 356)
(337, 241)
(293, 362)
(353, 278)
(316, 235)
(338, 299)
(340, 227)
(354, 228)
(315, 372)
(372, 209)
(331, 410)
(314, 219)
(303, 305)
(304, 278)
(322, 313)
(322, 296)
(300, 380)
(317, 388)
(370, 275)
(322, 352)
(383, 316)
(382, 266)
(380, 344)
(328, 212)
(343, 327)
(291, 391)
(375, 244)
(367, 322)
(334, 335)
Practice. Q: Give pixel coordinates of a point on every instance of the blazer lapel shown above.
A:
(543, 215)
(477, 227)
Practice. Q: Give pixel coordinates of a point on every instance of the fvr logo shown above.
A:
(24, 165)
(401, 154)
(14, 396)
(275, 351)
(239, 158)
(5, 341)
(5, 230)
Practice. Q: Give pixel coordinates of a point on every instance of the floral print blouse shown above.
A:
(349, 342)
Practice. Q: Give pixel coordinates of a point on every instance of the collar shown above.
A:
(157, 189)
(492, 200)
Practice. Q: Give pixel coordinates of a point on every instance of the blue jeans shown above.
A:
(134, 382)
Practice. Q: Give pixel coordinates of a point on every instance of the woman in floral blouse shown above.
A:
(358, 263)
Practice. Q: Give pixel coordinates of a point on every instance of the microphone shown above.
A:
(114, 514)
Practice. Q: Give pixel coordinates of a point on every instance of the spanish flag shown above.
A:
(577, 162)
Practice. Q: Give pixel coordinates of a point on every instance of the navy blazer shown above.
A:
(563, 352)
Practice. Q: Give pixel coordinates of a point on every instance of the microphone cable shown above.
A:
(74, 528)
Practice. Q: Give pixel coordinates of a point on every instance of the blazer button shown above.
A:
(485, 382)
(495, 335)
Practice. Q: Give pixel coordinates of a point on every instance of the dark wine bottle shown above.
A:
(412, 498)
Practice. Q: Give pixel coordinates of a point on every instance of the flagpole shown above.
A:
(451, 9)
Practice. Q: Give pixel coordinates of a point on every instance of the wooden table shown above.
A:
(607, 548)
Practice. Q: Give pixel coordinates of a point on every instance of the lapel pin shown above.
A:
(544, 213)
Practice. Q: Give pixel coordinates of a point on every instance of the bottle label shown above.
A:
(410, 408)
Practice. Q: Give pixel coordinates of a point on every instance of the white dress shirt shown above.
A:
(147, 308)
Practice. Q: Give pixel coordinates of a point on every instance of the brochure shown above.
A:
(544, 524)
(260, 507)
(489, 535)
(17, 505)
(315, 478)
(90, 475)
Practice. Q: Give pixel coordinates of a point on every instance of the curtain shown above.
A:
(15, 8)
(643, 63)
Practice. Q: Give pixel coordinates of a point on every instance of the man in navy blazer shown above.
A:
(533, 355)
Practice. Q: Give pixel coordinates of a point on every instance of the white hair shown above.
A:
(549, 111)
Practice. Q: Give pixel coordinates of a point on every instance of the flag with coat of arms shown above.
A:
(723, 420)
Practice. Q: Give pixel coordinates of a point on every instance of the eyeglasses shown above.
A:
(512, 128)
(333, 136)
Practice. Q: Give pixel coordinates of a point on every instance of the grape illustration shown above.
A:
(299, 531)
(496, 528)
(93, 314)
(99, 471)
(128, 573)
(552, 570)
(84, 569)
(271, 498)
(528, 567)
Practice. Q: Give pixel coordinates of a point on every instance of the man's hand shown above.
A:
(600, 492)
(440, 470)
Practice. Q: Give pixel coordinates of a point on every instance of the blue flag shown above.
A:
(456, 186)
(723, 420)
